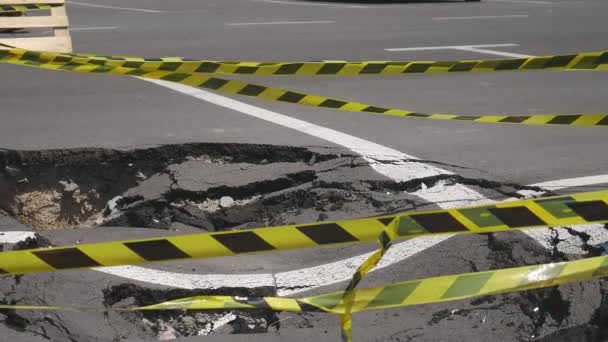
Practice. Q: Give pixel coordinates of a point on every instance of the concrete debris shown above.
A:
(226, 202)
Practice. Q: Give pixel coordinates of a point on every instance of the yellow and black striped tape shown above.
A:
(235, 87)
(586, 61)
(581, 208)
(413, 292)
(26, 7)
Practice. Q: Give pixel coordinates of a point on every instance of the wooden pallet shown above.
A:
(57, 21)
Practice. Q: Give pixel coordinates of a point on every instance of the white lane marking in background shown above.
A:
(445, 47)
(523, 2)
(282, 23)
(300, 3)
(494, 52)
(469, 48)
(93, 28)
(484, 17)
(14, 237)
(86, 4)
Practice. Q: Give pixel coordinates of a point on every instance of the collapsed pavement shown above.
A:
(217, 187)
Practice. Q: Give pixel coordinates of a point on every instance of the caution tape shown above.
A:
(26, 7)
(581, 208)
(235, 87)
(407, 293)
(586, 61)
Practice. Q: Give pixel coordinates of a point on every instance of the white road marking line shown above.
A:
(573, 182)
(86, 4)
(444, 47)
(282, 23)
(523, 1)
(93, 28)
(469, 48)
(300, 3)
(493, 52)
(14, 237)
(484, 17)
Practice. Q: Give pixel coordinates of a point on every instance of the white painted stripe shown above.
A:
(86, 4)
(444, 47)
(282, 23)
(484, 17)
(93, 28)
(302, 3)
(14, 237)
(493, 52)
(523, 1)
(573, 182)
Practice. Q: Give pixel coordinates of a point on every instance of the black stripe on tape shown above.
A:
(385, 240)
(31, 6)
(327, 233)
(386, 221)
(3, 271)
(305, 307)
(66, 258)
(439, 222)
(175, 77)
(466, 118)
(132, 64)
(373, 109)
(603, 122)
(246, 70)
(331, 68)
(516, 217)
(329, 103)
(515, 119)
(417, 67)
(463, 66)
(291, 97)
(169, 66)
(156, 250)
(419, 115)
(602, 59)
(243, 242)
(207, 67)
(288, 69)
(564, 119)
(62, 59)
(214, 83)
(590, 211)
(252, 90)
(373, 68)
(560, 61)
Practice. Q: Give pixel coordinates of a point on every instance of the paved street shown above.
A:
(44, 110)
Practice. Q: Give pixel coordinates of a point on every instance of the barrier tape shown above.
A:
(401, 294)
(235, 87)
(586, 61)
(581, 208)
(26, 7)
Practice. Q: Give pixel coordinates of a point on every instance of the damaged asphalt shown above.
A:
(104, 158)
(179, 189)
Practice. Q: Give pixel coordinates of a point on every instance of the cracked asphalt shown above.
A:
(129, 154)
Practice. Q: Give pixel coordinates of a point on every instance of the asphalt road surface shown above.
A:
(119, 116)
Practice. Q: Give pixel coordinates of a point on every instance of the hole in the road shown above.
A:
(205, 186)
(167, 325)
